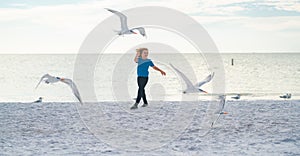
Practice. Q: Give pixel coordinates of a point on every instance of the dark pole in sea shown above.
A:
(232, 61)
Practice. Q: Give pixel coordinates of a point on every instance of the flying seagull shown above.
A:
(48, 79)
(190, 87)
(220, 110)
(52, 79)
(124, 27)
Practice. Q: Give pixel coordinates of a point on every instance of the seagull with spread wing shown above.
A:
(52, 79)
(220, 109)
(124, 26)
(190, 87)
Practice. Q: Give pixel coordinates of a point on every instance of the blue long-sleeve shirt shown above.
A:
(143, 66)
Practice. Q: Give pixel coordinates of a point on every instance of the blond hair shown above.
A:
(141, 50)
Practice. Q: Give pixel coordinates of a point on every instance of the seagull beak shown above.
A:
(225, 112)
(202, 90)
(133, 32)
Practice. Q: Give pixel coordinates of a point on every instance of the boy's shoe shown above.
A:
(135, 106)
(145, 105)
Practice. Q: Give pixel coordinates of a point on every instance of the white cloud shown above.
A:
(92, 11)
(65, 26)
(231, 7)
(59, 15)
(221, 7)
(287, 5)
(273, 23)
(19, 5)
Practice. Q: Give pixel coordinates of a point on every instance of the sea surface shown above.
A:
(254, 76)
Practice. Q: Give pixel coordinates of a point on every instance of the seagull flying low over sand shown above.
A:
(124, 26)
(220, 111)
(190, 87)
(52, 79)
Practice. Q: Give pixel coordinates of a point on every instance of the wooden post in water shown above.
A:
(232, 61)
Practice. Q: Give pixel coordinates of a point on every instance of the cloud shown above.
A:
(91, 11)
(56, 16)
(19, 5)
(288, 5)
(72, 22)
(273, 23)
(280, 23)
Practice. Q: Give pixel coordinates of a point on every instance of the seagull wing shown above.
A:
(123, 18)
(46, 76)
(207, 79)
(185, 79)
(219, 111)
(73, 87)
(221, 104)
(141, 30)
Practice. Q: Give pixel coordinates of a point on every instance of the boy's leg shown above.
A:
(144, 93)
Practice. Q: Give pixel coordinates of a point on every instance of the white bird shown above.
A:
(220, 111)
(124, 26)
(73, 87)
(190, 87)
(48, 79)
(221, 104)
(52, 79)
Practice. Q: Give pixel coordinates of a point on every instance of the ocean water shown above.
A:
(255, 76)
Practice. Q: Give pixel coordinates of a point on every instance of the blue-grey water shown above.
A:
(257, 76)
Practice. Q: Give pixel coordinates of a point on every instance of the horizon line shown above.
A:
(64, 53)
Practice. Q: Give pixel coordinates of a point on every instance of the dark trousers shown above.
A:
(142, 81)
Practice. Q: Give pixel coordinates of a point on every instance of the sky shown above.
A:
(47, 26)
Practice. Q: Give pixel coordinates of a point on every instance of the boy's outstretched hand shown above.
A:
(162, 72)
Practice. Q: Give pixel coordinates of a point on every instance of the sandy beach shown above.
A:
(261, 127)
